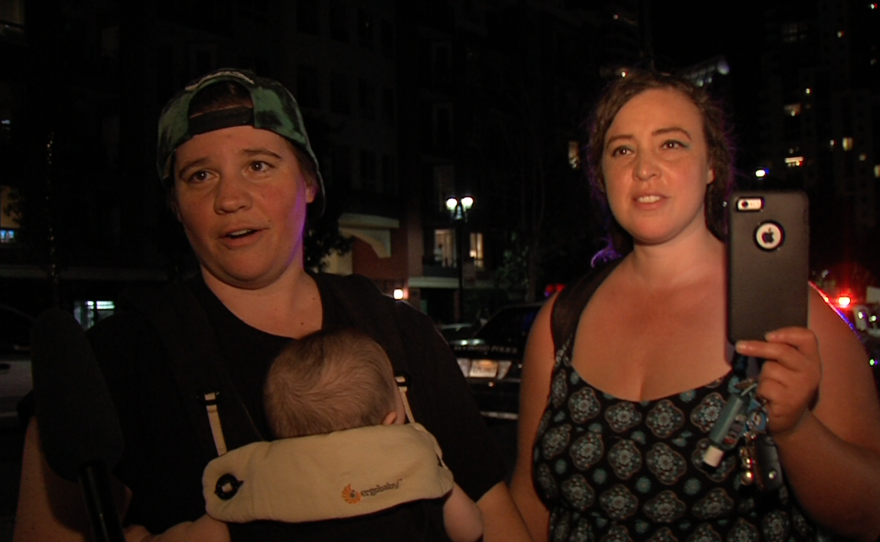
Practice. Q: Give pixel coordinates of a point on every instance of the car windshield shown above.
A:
(510, 326)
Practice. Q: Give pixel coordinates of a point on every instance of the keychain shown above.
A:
(732, 423)
(744, 416)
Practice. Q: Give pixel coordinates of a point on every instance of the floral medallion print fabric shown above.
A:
(616, 470)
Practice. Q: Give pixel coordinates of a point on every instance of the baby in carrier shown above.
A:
(343, 449)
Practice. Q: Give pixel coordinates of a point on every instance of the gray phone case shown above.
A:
(768, 262)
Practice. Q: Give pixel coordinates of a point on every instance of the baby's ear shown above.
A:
(390, 418)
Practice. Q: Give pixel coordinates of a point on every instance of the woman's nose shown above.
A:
(645, 166)
(232, 195)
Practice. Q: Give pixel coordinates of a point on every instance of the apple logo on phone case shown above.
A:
(769, 236)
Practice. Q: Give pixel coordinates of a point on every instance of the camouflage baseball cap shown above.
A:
(275, 109)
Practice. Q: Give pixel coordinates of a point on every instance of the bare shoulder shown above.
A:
(538, 361)
(834, 334)
(848, 402)
(539, 347)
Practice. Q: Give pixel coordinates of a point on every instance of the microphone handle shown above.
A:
(95, 483)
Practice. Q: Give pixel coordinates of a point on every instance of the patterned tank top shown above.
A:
(615, 470)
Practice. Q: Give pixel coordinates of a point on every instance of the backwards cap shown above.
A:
(275, 109)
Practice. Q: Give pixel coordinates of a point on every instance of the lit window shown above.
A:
(444, 248)
(793, 109)
(88, 312)
(794, 161)
(840, 34)
(808, 91)
(877, 171)
(574, 158)
(476, 251)
(847, 143)
(10, 220)
(863, 157)
(831, 144)
(793, 32)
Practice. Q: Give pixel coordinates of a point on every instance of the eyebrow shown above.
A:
(672, 129)
(260, 151)
(659, 131)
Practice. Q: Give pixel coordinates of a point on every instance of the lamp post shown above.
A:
(458, 211)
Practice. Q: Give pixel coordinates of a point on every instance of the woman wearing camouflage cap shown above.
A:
(240, 174)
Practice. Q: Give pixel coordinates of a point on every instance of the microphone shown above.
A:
(79, 429)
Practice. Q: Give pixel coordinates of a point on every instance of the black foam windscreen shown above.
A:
(78, 422)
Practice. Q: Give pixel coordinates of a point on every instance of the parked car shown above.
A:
(15, 362)
(491, 360)
(455, 332)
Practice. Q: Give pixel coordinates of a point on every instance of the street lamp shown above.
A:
(458, 211)
(458, 208)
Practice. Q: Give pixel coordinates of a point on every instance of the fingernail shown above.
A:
(770, 335)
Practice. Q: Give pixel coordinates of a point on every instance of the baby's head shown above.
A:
(330, 381)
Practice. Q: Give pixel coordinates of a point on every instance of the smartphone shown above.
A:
(767, 263)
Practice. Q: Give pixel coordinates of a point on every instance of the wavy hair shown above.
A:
(718, 143)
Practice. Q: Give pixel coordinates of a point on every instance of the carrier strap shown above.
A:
(571, 301)
(373, 313)
(214, 422)
(194, 358)
(402, 388)
(208, 391)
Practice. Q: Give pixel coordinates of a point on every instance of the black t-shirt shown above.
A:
(163, 462)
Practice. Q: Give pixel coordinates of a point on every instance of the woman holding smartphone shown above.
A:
(615, 418)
